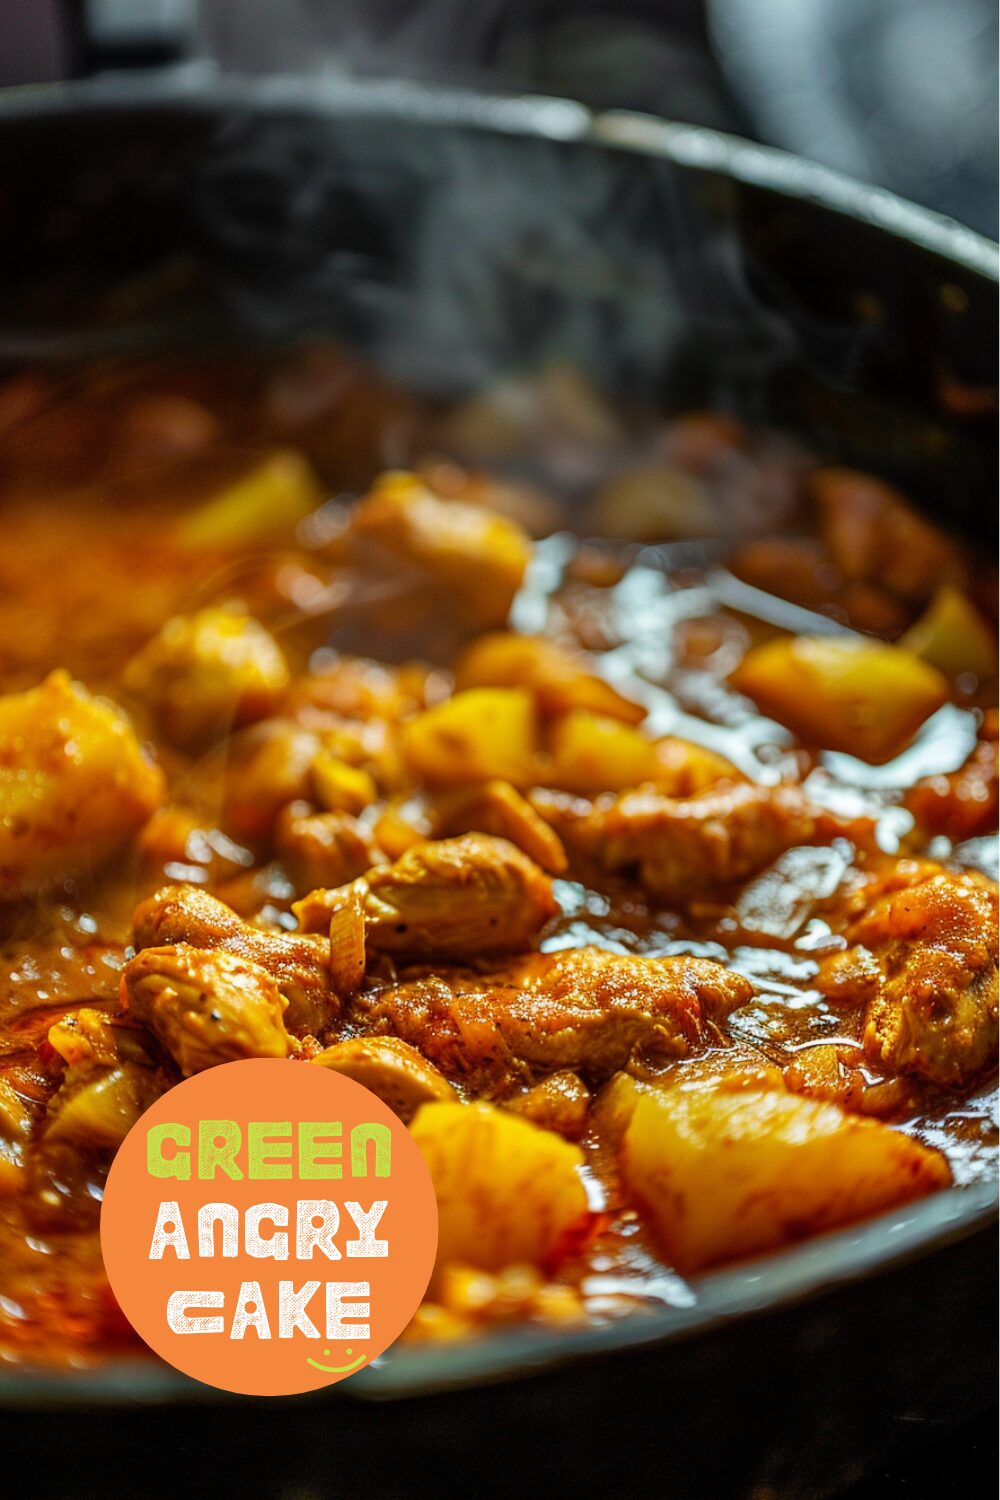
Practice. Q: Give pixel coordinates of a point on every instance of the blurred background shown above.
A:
(902, 93)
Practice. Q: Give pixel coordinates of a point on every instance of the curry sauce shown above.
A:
(650, 878)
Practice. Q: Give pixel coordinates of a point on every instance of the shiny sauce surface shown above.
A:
(106, 481)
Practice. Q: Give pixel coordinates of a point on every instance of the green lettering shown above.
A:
(260, 1139)
(380, 1137)
(176, 1165)
(218, 1143)
(316, 1148)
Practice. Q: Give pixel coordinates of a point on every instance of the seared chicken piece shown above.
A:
(583, 1008)
(404, 531)
(298, 964)
(205, 674)
(206, 1006)
(112, 1077)
(391, 1069)
(450, 900)
(872, 534)
(75, 785)
(266, 766)
(339, 764)
(560, 1102)
(962, 804)
(351, 687)
(498, 808)
(682, 847)
(322, 849)
(934, 1012)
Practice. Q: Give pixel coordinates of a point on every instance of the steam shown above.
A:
(450, 256)
(448, 40)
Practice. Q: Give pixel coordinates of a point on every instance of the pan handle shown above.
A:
(105, 35)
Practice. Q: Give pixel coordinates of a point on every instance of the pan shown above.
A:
(673, 266)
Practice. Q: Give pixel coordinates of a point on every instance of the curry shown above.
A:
(648, 879)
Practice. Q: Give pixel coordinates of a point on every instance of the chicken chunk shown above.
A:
(681, 847)
(498, 808)
(872, 534)
(205, 674)
(403, 530)
(560, 1102)
(935, 1010)
(393, 1070)
(298, 964)
(584, 1009)
(962, 804)
(351, 687)
(75, 785)
(206, 1006)
(267, 766)
(450, 899)
(322, 849)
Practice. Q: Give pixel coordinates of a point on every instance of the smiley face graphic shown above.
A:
(337, 1369)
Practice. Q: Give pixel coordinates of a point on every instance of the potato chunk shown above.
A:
(507, 1191)
(263, 505)
(75, 785)
(952, 634)
(206, 1006)
(721, 1174)
(592, 753)
(560, 679)
(861, 696)
(478, 556)
(477, 735)
(206, 674)
(112, 1077)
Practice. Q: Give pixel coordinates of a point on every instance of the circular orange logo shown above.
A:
(269, 1227)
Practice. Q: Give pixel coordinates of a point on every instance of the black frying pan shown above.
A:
(452, 238)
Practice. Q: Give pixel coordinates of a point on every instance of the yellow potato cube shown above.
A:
(264, 505)
(100, 1110)
(952, 634)
(559, 678)
(721, 1173)
(843, 693)
(474, 736)
(592, 753)
(208, 673)
(507, 1191)
(75, 785)
(340, 787)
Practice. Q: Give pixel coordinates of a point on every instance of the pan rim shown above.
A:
(767, 1284)
(197, 86)
(804, 1272)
